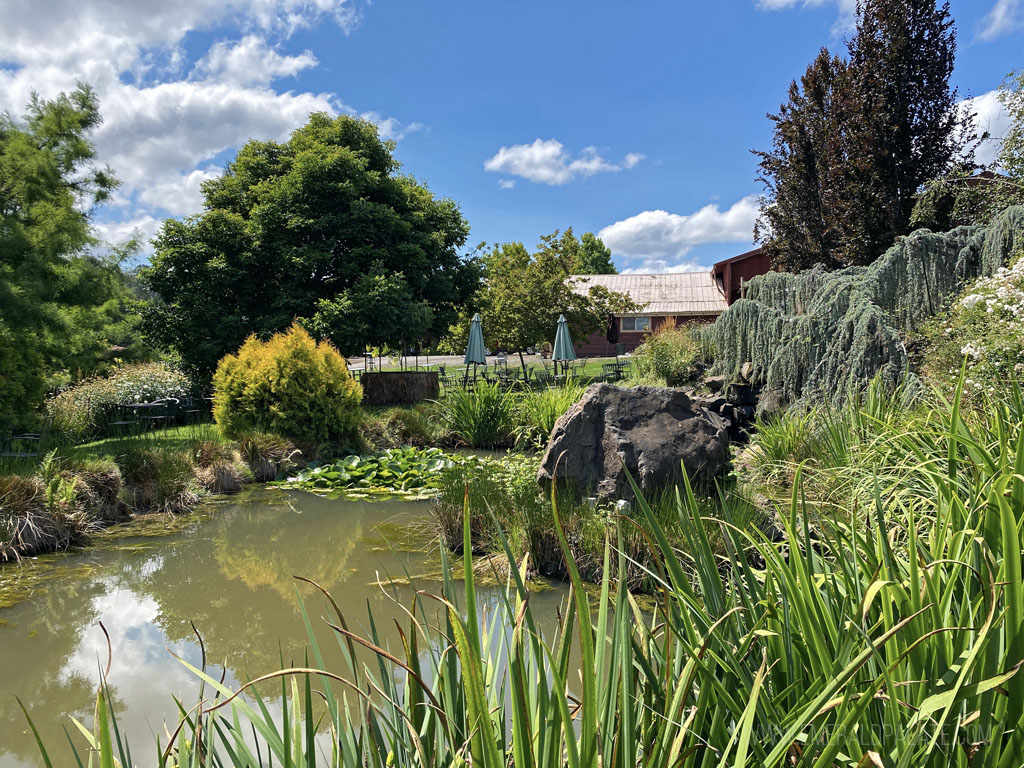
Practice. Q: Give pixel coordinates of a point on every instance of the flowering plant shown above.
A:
(84, 409)
(985, 326)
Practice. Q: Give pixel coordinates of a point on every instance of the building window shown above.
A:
(636, 323)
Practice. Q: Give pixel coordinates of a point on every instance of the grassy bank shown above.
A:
(892, 636)
(50, 504)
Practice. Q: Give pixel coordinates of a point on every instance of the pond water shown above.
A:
(229, 571)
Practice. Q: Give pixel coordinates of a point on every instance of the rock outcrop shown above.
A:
(647, 432)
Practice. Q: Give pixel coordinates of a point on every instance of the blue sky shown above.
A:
(630, 119)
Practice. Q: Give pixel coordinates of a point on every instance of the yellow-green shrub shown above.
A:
(289, 385)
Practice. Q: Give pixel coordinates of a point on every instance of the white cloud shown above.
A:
(991, 117)
(661, 240)
(179, 195)
(389, 127)
(506, 183)
(167, 116)
(847, 10)
(250, 61)
(660, 266)
(144, 227)
(548, 162)
(1004, 17)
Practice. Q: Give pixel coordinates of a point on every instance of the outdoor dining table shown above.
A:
(143, 411)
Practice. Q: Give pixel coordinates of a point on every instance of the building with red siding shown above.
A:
(731, 274)
(673, 298)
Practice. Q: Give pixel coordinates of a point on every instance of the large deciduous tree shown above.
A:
(322, 228)
(858, 139)
(57, 301)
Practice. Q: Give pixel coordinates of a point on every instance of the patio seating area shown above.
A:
(135, 418)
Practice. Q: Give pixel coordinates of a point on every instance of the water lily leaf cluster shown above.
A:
(409, 473)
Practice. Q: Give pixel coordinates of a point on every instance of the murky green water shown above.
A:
(229, 571)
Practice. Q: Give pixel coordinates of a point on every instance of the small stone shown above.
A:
(715, 383)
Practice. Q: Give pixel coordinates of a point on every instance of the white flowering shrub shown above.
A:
(85, 409)
(985, 326)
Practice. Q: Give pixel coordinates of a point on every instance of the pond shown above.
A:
(228, 570)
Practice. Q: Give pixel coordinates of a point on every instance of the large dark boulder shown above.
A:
(647, 432)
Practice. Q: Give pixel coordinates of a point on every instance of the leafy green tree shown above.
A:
(965, 197)
(579, 256)
(1011, 153)
(379, 310)
(57, 302)
(322, 228)
(854, 145)
(595, 257)
(902, 121)
(525, 294)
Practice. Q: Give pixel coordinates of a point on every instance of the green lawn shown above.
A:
(169, 439)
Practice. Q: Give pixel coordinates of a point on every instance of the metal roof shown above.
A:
(676, 293)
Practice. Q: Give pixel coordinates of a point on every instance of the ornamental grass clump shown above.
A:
(481, 417)
(83, 410)
(291, 386)
(267, 455)
(537, 411)
(672, 356)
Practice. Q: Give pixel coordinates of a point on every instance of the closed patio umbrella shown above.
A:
(563, 342)
(475, 353)
(613, 335)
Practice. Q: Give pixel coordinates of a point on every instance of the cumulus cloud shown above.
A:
(506, 183)
(990, 117)
(250, 61)
(390, 127)
(144, 227)
(169, 117)
(660, 240)
(661, 266)
(1004, 17)
(548, 162)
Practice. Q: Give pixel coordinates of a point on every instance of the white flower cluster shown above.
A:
(987, 327)
(972, 350)
(84, 406)
(1002, 294)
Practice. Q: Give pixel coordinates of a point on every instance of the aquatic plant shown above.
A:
(820, 335)
(481, 417)
(410, 473)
